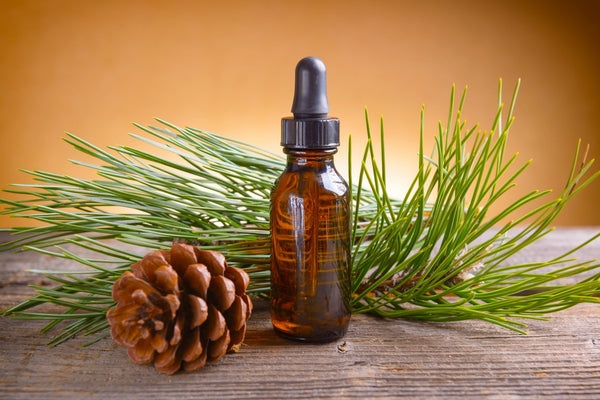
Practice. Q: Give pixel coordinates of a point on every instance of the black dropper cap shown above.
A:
(310, 128)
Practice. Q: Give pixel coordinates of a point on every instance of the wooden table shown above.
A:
(377, 358)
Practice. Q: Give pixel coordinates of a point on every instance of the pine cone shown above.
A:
(181, 308)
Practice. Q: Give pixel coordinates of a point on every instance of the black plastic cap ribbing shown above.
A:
(310, 128)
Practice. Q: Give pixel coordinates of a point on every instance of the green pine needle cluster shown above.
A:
(438, 254)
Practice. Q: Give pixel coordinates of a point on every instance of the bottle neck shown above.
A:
(313, 157)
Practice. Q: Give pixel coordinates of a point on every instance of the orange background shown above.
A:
(93, 67)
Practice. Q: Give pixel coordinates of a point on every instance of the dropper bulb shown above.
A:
(310, 93)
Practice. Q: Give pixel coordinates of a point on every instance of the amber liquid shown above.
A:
(310, 249)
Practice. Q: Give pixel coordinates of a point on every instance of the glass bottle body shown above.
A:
(310, 249)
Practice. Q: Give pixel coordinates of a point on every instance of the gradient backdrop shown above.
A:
(93, 67)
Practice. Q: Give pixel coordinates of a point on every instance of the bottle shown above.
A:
(310, 220)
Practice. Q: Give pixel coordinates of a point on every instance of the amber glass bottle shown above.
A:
(310, 220)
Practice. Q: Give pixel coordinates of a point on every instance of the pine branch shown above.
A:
(442, 268)
(438, 254)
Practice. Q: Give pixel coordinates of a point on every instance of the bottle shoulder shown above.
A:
(307, 182)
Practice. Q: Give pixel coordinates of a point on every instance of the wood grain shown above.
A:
(378, 358)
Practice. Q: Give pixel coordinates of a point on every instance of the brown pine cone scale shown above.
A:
(180, 308)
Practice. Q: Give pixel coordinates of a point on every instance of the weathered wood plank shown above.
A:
(377, 358)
